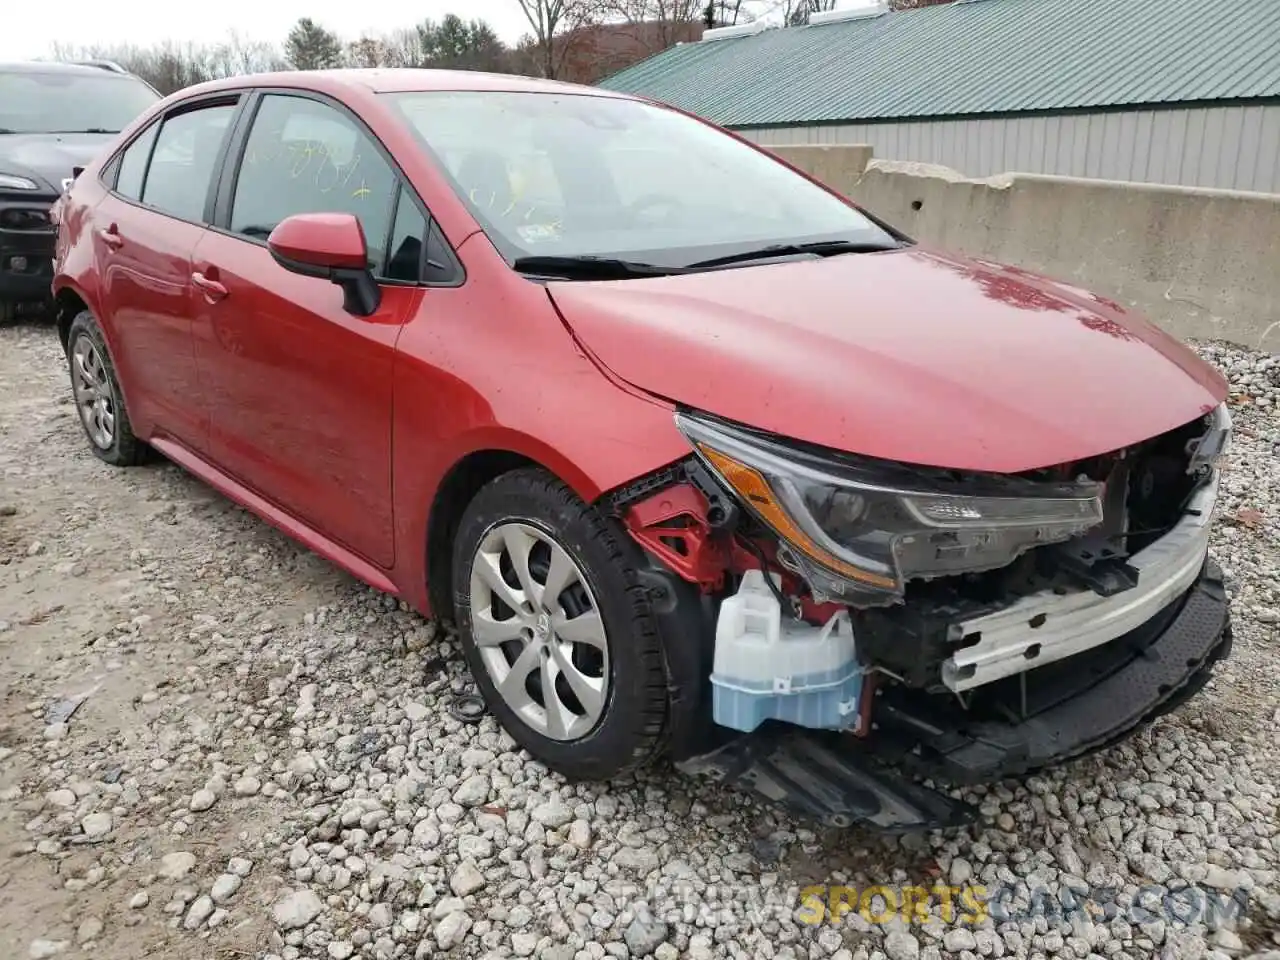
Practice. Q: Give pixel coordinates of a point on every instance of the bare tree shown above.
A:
(726, 13)
(368, 52)
(655, 24)
(404, 48)
(167, 66)
(557, 25)
(796, 13)
(238, 55)
(472, 45)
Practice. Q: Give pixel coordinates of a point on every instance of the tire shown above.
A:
(98, 398)
(8, 311)
(618, 727)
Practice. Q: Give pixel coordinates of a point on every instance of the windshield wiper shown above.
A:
(592, 267)
(85, 130)
(821, 248)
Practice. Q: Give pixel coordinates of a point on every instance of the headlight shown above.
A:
(858, 530)
(9, 181)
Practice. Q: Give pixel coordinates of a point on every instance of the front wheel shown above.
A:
(556, 628)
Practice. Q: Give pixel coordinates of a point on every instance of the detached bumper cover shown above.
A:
(1071, 707)
(1046, 627)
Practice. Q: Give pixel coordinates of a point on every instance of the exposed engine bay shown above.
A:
(933, 617)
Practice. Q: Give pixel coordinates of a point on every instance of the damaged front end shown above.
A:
(849, 625)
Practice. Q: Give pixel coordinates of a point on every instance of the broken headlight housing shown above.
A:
(858, 529)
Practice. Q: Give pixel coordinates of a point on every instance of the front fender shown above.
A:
(607, 437)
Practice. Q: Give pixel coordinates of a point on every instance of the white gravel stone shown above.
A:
(340, 949)
(466, 879)
(380, 917)
(473, 792)
(96, 825)
(450, 931)
(139, 900)
(246, 786)
(552, 812)
(202, 800)
(200, 910)
(900, 945)
(41, 948)
(239, 866)
(959, 939)
(643, 935)
(177, 865)
(89, 930)
(225, 887)
(639, 859)
(297, 909)
(580, 834)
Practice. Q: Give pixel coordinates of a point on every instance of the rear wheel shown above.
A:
(98, 398)
(556, 629)
(8, 311)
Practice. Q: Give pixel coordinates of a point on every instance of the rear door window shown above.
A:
(183, 161)
(133, 164)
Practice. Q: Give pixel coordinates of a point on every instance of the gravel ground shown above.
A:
(258, 764)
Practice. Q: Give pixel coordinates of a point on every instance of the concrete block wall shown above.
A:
(1201, 263)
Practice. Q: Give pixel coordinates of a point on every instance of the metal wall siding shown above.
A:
(1269, 150)
(1229, 147)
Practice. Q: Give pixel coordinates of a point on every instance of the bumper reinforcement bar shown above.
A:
(1076, 706)
(1045, 627)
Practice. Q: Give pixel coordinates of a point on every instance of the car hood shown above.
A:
(49, 156)
(908, 355)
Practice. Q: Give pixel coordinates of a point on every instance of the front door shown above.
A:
(299, 390)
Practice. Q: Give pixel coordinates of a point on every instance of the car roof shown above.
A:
(402, 80)
(53, 66)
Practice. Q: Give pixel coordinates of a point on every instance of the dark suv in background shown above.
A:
(54, 117)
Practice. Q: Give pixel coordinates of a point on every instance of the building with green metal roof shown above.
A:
(1164, 91)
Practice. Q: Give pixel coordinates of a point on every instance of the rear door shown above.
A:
(300, 390)
(161, 193)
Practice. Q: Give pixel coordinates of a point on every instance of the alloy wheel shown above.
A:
(537, 627)
(95, 398)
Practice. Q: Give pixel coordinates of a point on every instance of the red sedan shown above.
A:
(703, 460)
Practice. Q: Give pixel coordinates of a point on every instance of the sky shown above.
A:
(83, 22)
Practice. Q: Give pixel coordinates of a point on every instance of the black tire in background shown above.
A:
(629, 731)
(124, 449)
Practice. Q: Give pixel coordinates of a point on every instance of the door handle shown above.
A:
(213, 290)
(111, 237)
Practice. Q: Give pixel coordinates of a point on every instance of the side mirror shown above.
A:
(330, 246)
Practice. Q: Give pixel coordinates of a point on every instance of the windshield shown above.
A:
(567, 175)
(70, 102)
